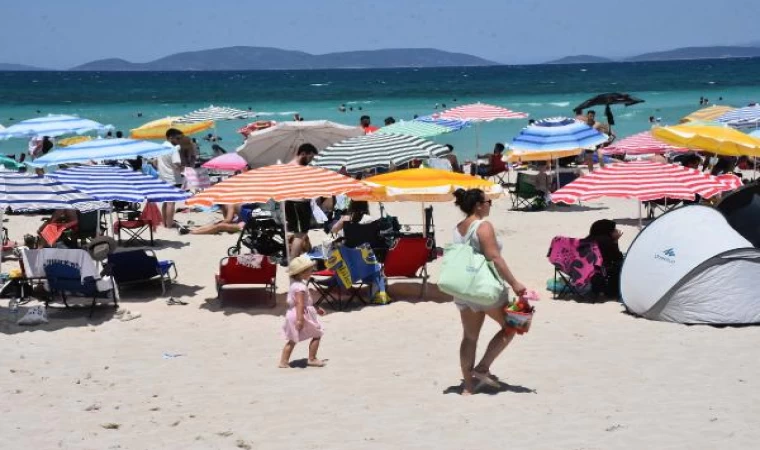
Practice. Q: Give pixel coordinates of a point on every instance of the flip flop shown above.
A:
(485, 379)
(172, 301)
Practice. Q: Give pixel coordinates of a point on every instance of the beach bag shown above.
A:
(468, 275)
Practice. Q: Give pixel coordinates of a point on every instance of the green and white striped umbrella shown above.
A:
(414, 128)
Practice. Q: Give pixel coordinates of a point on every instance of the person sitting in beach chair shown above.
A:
(605, 235)
(358, 212)
(52, 229)
(496, 168)
(576, 263)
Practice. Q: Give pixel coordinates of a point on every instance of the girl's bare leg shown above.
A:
(313, 347)
(286, 352)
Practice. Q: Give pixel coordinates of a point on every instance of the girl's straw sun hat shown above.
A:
(299, 264)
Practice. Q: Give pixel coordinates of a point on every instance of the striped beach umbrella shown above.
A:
(280, 182)
(52, 125)
(708, 114)
(555, 137)
(99, 150)
(480, 112)
(156, 129)
(641, 144)
(29, 192)
(215, 114)
(644, 181)
(414, 128)
(742, 118)
(230, 162)
(377, 151)
(451, 124)
(108, 183)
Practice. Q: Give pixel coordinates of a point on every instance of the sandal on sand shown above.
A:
(172, 301)
(485, 379)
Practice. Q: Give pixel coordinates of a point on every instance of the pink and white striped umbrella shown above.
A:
(641, 144)
(644, 181)
(231, 162)
(480, 112)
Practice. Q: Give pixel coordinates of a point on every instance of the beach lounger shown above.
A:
(141, 266)
(408, 259)
(576, 262)
(237, 277)
(524, 193)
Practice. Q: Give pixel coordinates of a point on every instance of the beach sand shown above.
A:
(587, 376)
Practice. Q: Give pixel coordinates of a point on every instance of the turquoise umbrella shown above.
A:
(414, 128)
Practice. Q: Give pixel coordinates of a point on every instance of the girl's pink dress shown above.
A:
(312, 328)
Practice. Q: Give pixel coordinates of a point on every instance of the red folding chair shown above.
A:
(408, 259)
(236, 280)
(134, 227)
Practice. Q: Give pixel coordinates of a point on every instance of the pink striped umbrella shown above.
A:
(641, 144)
(644, 181)
(231, 162)
(480, 112)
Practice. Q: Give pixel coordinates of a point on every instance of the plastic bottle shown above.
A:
(13, 310)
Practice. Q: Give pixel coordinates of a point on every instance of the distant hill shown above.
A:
(581, 59)
(267, 58)
(699, 53)
(4, 67)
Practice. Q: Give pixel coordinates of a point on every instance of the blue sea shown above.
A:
(670, 89)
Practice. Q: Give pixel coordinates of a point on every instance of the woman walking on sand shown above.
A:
(477, 207)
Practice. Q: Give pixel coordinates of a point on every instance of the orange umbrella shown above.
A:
(279, 182)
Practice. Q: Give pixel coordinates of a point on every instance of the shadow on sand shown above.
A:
(488, 390)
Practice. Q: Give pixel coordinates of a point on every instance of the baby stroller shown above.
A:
(262, 235)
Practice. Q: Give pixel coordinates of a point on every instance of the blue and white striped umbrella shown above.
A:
(748, 117)
(554, 138)
(29, 192)
(216, 113)
(108, 183)
(99, 150)
(52, 125)
(451, 124)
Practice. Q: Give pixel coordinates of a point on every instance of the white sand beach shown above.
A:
(587, 376)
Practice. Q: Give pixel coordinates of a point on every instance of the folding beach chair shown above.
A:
(64, 277)
(524, 193)
(86, 229)
(350, 270)
(140, 266)
(497, 170)
(408, 259)
(576, 263)
(661, 206)
(135, 223)
(237, 277)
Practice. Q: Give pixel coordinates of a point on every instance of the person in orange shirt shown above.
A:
(366, 125)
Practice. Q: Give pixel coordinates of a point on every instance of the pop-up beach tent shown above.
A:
(690, 266)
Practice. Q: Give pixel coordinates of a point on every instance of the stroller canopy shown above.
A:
(690, 266)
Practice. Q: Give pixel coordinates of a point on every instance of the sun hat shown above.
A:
(299, 264)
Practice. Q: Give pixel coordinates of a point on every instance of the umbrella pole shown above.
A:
(639, 214)
(285, 232)
(424, 229)
(477, 138)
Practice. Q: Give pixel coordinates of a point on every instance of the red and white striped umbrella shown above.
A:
(644, 181)
(480, 112)
(641, 144)
(279, 182)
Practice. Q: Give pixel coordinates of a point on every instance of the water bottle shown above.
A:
(13, 310)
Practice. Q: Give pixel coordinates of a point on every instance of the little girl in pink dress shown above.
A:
(301, 319)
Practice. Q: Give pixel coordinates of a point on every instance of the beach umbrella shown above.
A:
(156, 129)
(742, 118)
(414, 128)
(641, 144)
(256, 126)
(30, 192)
(279, 182)
(610, 98)
(423, 185)
(451, 124)
(377, 151)
(99, 150)
(708, 114)
(52, 125)
(230, 162)
(718, 140)
(216, 113)
(480, 112)
(555, 137)
(109, 183)
(65, 142)
(280, 142)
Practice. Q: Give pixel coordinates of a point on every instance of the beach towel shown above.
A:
(53, 231)
(152, 214)
(196, 179)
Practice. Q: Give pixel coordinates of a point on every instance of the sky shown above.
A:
(62, 34)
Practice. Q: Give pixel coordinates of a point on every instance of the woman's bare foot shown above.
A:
(315, 363)
(284, 365)
(468, 388)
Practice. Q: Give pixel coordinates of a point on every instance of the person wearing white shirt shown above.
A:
(170, 170)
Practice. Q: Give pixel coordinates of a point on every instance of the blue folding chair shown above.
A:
(63, 278)
(139, 266)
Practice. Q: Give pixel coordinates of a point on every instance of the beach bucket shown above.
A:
(519, 321)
